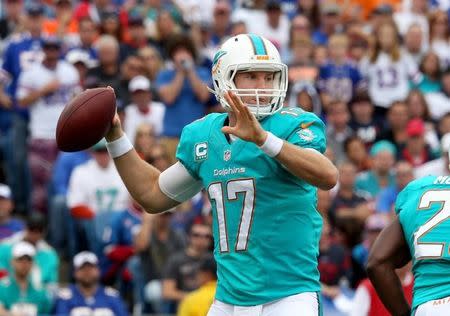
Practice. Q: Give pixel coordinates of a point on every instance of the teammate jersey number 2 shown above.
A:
(432, 250)
(233, 188)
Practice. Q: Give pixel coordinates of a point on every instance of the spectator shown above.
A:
(18, 294)
(414, 15)
(199, 301)
(404, 174)
(338, 79)
(118, 238)
(413, 44)
(329, 22)
(364, 123)
(440, 166)
(440, 101)
(88, 33)
(350, 207)
(387, 69)
(439, 33)
(64, 25)
(131, 67)
(81, 61)
(8, 224)
(417, 151)
(301, 66)
(46, 261)
(144, 140)
(381, 174)
(95, 193)
(304, 95)
(183, 90)
(152, 62)
(10, 22)
(334, 263)
(45, 89)
(137, 38)
(110, 24)
(181, 269)
(366, 301)
(444, 124)
(338, 117)
(374, 224)
(154, 243)
(357, 154)
(221, 22)
(60, 221)
(87, 295)
(20, 55)
(274, 26)
(397, 119)
(166, 28)
(311, 10)
(143, 109)
(107, 72)
(431, 70)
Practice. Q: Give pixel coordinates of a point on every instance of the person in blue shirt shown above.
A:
(87, 296)
(404, 174)
(60, 222)
(8, 225)
(183, 90)
(23, 51)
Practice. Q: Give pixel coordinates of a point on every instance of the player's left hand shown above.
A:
(247, 126)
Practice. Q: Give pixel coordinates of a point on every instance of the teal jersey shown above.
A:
(46, 262)
(423, 209)
(266, 226)
(33, 299)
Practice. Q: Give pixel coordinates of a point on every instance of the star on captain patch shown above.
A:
(227, 155)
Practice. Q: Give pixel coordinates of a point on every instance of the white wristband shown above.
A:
(119, 147)
(272, 146)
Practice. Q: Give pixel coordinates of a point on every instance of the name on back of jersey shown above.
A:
(442, 180)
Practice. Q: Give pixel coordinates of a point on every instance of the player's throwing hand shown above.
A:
(243, 123)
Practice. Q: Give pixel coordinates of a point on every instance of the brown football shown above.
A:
(86, 119)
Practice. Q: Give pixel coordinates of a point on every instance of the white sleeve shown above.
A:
(178, 184)
(75, 192)
(361, 302)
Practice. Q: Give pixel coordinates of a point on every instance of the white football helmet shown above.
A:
(244, 53)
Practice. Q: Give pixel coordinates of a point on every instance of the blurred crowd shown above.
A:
(73, 240)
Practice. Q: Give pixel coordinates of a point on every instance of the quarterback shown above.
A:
(261, 165)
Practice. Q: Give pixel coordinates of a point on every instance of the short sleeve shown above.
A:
(189, 153)
(309, 133)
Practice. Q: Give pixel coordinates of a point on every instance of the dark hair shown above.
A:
(351, 139)
(178, 41)
(36, 221)
(208, 264)
(437, 73)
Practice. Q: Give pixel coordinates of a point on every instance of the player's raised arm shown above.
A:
(307, 164)
(140, 178)
(388, 253)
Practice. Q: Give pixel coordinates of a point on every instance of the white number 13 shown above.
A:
(429, 250)
(233, 187)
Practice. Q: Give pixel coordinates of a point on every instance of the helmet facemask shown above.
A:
(276, 95)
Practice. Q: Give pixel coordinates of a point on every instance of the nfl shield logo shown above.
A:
(227, 155)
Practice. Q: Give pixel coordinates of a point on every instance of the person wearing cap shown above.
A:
(95, 192)
(439, 166)
(198, 302)
(45, 89)
(417, 151)
(87, 295)
(46, 261)
(143, 109)
(137, 37)
(81, 61)
(23, 51)
(8, 225)
(18, 294)
(381, 174)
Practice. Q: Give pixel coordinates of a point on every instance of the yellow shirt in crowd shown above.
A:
(199, 301)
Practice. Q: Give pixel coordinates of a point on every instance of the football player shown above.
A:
(261, 165)
(419, 232)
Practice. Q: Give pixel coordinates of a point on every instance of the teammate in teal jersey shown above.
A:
(419, 232)
(261, 165)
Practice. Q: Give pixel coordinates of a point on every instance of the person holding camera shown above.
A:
(183, 90)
